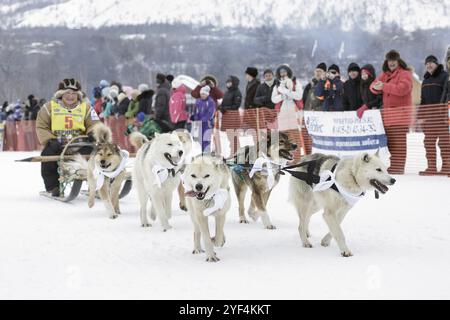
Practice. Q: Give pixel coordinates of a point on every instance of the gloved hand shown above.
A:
(54, 145)
(361, 110)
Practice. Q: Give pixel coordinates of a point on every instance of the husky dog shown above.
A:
(106, 163)
(262, 182)
(348, 180)
(206, 180)
(156, 173)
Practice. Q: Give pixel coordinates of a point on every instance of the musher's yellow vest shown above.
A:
(68, 123)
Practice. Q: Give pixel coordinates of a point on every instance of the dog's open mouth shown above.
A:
(199, 195)
(105, 166)
(379, 186)
(286, 154)
(169, 158)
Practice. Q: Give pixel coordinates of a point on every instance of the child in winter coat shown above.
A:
(133, 107)
(330, 90)
(205, 108)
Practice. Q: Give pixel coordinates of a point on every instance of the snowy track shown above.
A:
(56, 250)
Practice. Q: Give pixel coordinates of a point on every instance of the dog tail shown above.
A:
(79, 163)
(137, 139)
(102, 133)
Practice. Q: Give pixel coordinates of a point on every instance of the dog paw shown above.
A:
(197, 251)
(271, 227)
(183, 207)
(167, 228)
(346, 253)
(307, 245)
(146, 225)
(218, 242)
(245, 221)
(325, 243)
(90, 203)
(212, 259)
(113, 216)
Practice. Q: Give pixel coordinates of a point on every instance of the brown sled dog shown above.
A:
(278, 150)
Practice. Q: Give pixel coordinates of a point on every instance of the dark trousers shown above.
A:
(49, 170)
(396, 140)
(434, 131)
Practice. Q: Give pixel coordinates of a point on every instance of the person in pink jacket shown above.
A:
(395, 84)
(177, 105)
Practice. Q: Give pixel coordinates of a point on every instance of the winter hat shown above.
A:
(252, 72)
(170, 78)
(322, 66)
(105, 91)
(103, 84)
(433, 59)
(267, 71)
(114, 91)
(393, 55)
(334, 67)
(370, 70)
(143, 87)
(135, 93)
(160, 78)
(121, 97)
(205, 90)
(68, 84)
(353, 67)
(140, 116)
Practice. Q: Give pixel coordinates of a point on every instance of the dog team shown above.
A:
(163, 164)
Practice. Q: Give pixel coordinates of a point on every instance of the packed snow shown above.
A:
(60, 250)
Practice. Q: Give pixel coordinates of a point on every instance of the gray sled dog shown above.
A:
(342, 183)
(206, 181)
(156, 172)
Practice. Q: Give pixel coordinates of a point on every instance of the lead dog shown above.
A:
(353, 177)
(156, 173)
(206, 181)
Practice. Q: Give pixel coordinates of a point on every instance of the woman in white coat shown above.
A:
(287, 95)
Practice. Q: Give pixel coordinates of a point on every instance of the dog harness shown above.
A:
(326, 180)
(161, 174)
(219, 198)
(100, 173)
(258, 166)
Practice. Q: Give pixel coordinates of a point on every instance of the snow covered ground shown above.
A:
(56, 250)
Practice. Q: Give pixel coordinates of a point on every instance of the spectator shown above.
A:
(213, 84)
(310, 101)
(133, 107)
(162, 98)
(98, 101)
(145, 98)
(446, 92)
(3, 111)
(231, 103)
(395, 84)
(286, 95)
(263, 95)
(177, 105)
(369, 99)
(204, 113)
(252, 84)
(330, 90)
(31, 108)
(434, 117)
(170, 78)
(123, 103)
(351, 99)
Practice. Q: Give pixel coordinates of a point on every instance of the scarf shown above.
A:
(100, 174)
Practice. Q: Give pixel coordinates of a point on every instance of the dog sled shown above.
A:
(71, 178)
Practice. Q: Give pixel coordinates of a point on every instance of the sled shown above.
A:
(70, 179)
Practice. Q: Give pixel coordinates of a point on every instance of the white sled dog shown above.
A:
(342, 183)
(107, 163)
(156, 172)
(206, 181)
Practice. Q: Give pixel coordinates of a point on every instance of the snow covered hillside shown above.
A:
(57, 250)
(369, 15)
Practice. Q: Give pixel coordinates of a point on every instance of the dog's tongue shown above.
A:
(191, 193)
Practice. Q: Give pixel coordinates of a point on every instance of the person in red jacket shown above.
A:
(395, 84)
(210, 81)
(177, 105)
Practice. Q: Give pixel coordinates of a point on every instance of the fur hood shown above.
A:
(235, 82)
(210, 77)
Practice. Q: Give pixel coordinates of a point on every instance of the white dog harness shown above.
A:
(100, 174)
(161, 174)
(258, 166)
(219, 197)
